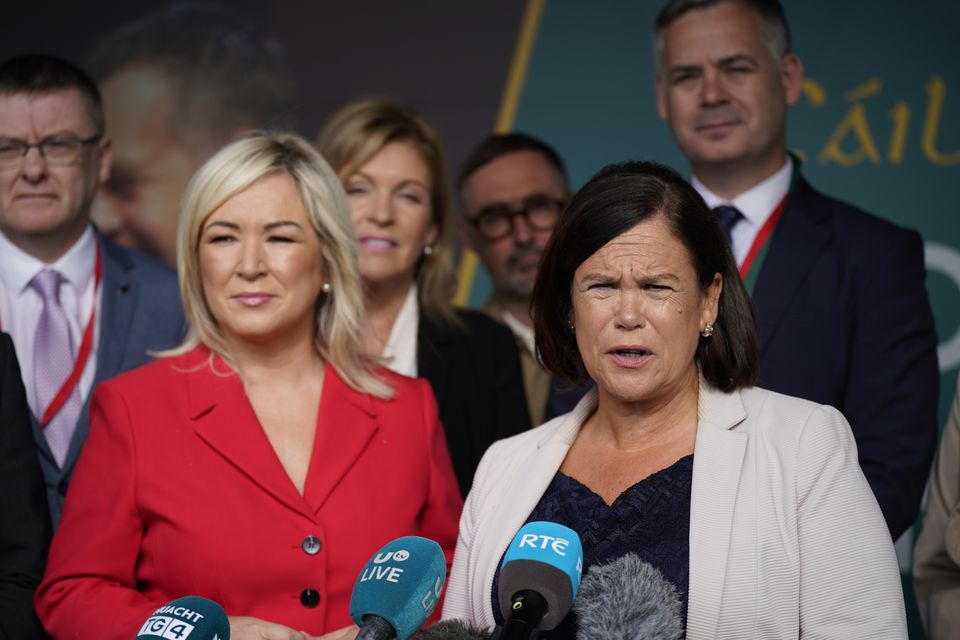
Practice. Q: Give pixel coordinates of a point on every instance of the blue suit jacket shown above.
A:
(844, 319)
(141, 311)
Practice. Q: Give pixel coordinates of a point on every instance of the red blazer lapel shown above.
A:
(346, 422)
(224, 419)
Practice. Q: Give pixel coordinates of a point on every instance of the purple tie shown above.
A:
(53, 360)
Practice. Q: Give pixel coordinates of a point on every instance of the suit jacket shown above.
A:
(475, 374)
(844, 320)
(141, 311)
(25, 520)
(936, 558)
(786, 539)
(536, 379)
(178, 492)
(547, 395)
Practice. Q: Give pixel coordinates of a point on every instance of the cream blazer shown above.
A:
(786, 538)
(936, 558)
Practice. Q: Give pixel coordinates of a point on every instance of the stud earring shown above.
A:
(326, 287)
(427, 250)
(707, 330)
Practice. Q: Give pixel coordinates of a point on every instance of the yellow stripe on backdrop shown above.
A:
(508, 111)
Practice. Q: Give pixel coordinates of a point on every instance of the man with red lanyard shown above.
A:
(78, 307)
(839, 294)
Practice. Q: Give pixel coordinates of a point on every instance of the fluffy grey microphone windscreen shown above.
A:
(627, 599)
(452, 629)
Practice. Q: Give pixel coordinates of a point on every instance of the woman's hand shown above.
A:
(247, 628)
(346, 633)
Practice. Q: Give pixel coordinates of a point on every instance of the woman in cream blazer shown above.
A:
(786, 538)
(750, 503)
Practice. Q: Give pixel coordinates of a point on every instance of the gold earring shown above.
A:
(707, 330)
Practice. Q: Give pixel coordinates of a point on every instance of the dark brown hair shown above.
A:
(40, 74)
(614, 201)
(501, 144)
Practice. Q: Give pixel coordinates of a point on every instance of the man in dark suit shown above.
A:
(839, 294)
(78, 307)
(25, 525)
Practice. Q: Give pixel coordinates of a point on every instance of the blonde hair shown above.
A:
(356, 133)
(338, 327)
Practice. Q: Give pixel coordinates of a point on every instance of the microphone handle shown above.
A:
(376, 628)
(527, 609)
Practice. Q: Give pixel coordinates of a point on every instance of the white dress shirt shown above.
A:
(756, 204)
(400, 352)
(21, 305)
(521, 331)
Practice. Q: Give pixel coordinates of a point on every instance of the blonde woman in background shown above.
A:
(393, 169)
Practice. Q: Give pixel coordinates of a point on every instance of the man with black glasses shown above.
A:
(78, 307)
(512, 188)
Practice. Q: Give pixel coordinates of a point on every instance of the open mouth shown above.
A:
(631, 352)
(377, 244)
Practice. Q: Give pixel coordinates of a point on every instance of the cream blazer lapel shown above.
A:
(502, 500)
(717, 465)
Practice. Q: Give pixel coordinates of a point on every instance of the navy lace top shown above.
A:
(650, 519)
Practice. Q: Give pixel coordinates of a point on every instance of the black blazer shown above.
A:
(24, 518)
(844, 320)
(475, 375)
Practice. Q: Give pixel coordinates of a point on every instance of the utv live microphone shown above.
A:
(398, 589)
(539, 578)
(627, 599)
(188, 618)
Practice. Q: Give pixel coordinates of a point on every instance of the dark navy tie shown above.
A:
(728, 216)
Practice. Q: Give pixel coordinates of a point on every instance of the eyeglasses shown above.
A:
(55, 151)
(495, 221)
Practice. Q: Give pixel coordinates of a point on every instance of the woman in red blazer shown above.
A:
(264, 461)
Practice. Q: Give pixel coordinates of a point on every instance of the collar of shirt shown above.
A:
(756, 204)
(18, 268)
(400, 352)
(521, 331)
(21, 306)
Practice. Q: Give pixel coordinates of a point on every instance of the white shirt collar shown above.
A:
(521, 331)
(400, 352)
(18, 268)
(757, 203)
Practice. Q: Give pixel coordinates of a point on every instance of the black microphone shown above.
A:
(539, 578)
(627, 599)
(188, 618)
(452, 629)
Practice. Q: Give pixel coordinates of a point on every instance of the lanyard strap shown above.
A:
(751, 264)
(86, 345)
(82, 356)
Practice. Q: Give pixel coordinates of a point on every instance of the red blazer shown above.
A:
(178, 492)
